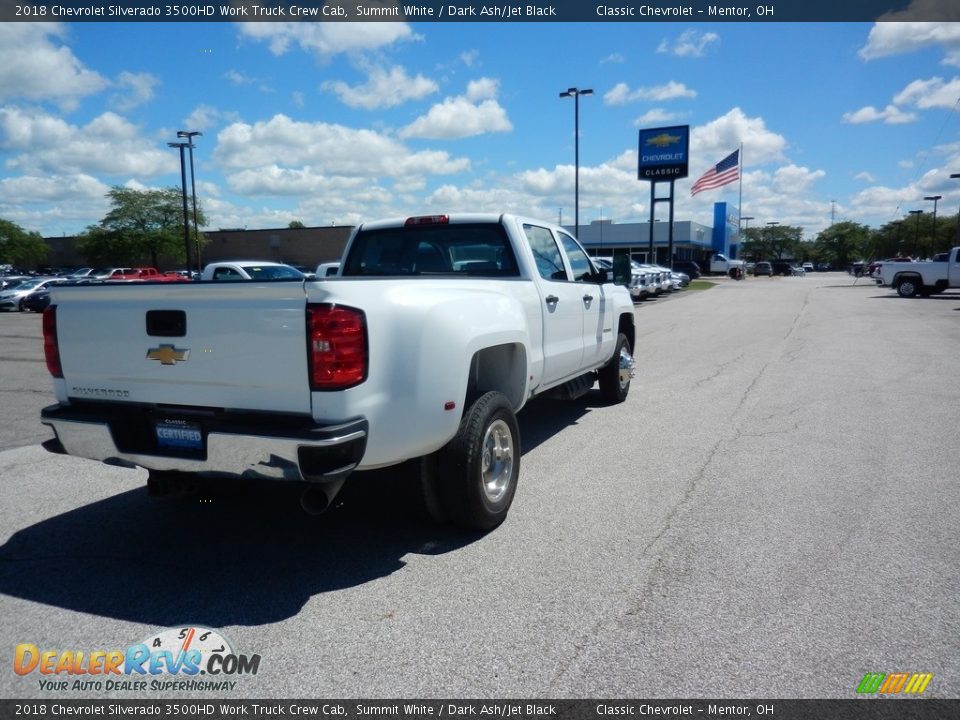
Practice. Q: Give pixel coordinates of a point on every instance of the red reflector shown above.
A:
(336, 347)
(51, 351)
(427, 220)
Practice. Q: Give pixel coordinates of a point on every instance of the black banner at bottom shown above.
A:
(854, 709)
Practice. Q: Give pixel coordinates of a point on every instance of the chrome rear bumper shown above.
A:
(255, 446)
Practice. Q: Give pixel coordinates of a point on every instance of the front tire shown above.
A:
(615, 376)
(479, 468)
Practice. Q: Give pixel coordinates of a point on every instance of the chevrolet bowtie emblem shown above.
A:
(663, 139)
(168, 355)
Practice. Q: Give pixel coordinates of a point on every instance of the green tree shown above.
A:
(844, 243)
(142, 226)
(296, 225)
(20, 248)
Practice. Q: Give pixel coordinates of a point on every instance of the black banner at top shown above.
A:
(687, 11)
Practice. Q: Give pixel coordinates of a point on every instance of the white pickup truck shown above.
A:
(436, 332)
(921, 278)
(721, 265)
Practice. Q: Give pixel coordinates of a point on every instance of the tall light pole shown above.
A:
(956, 176)
(916, 238)
(575, 93)
(933, 244)
(189, 135)
(183, 185)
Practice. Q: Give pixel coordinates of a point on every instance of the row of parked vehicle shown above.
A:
(20, 292)
(647, 280)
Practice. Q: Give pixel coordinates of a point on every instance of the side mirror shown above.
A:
(622, 272)
(601, 277)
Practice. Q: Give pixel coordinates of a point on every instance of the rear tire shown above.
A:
(479, 468)
(615, 376)
(908, 287)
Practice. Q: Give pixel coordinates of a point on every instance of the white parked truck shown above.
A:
(921, 278)
(721, 265)
(435, 333)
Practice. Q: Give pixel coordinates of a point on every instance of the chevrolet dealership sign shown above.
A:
(664, 153)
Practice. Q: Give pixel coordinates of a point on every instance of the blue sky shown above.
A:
(338, 122)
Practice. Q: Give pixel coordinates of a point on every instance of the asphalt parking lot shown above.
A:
(771, 514)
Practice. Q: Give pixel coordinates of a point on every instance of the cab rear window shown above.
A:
(480, 250)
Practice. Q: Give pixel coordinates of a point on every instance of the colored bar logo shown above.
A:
(894, 683)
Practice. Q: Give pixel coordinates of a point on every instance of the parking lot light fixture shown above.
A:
(190, 134)
(183, 185)
(956, 176)
(575, 93)
(933, 235)
(916, 236)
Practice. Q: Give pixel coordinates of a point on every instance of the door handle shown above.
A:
(588, 298)
(552, 299)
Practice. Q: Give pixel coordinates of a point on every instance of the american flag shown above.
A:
(724, 172)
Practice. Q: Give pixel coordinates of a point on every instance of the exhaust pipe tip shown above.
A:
(316, 499)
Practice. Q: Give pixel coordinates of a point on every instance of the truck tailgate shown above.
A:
(219, 345)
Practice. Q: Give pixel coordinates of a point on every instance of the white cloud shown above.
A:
(718, 138)
(932, 93)
(284, 147)
(35, 67)
(690, 43)
(794, 179)
(238, 78)
(865, 176)
(621, 94)
(891, 115)
(475, 113)
(615, 58)
(52, 188)
(383, 89)
(326, 39)
(205, 117)
(134, 89)
(469, 58)
(107, 144)
(894, 38)
(654, 116)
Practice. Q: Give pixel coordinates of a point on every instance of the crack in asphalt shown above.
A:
(720, 369)
(634, 608)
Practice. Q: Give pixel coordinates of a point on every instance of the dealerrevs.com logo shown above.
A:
(188, 658)
(894, 683)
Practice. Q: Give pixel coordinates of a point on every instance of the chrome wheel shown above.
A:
(496, 466)
(628, 367)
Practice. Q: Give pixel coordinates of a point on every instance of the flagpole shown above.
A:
(740, 201)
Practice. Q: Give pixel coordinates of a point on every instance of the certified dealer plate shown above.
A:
(178, 434)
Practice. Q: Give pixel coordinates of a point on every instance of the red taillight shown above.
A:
(51, 350)
(427, 220)
(336, 347)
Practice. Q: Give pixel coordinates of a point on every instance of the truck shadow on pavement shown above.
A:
(249, 556)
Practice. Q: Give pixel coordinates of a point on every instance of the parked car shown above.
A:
(250, 270)
(12, 298)
(808, 266)
(37, 301)
(8, 282)
(111, 273)
(689, 267)
(763, 268)
(781, 267)
(639, 288)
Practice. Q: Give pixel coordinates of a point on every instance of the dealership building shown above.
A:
(691, 241)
